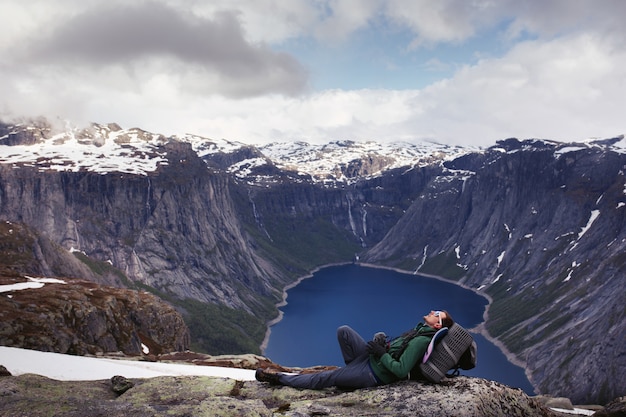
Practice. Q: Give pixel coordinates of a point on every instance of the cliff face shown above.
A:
(537, 226)
(76, 316)
(542, 231)
(175, 230)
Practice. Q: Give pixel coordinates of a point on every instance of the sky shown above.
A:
(463, 72)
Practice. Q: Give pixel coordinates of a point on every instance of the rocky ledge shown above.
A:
(34, 396)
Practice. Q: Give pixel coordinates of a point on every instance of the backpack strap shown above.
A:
(436, 338)
(407, 337)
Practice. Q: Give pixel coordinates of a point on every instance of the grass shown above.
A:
(444, 265)
(217, 329)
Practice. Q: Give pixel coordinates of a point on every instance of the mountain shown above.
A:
(220, 228)
(540, 228)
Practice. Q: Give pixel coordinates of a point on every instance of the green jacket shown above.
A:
(389, 370)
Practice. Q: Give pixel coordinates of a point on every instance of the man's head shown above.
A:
(438, 319)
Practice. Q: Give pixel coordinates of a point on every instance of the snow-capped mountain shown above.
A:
(109, 148)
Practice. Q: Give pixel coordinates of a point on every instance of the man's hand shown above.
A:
(375, 349)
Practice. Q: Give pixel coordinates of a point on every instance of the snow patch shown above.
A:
(575, 411)
(80, 368)
(32, 283)
(508, 230)
(501, 257)
(592, 218)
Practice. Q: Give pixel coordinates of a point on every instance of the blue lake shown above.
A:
(371, 300)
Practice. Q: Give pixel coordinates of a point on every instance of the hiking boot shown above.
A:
(265, 376)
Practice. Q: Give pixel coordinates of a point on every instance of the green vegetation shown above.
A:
(16, 243)
(507, 312)
(214, 329)
(301, 245)
(444, 265)
(220, 330)
(103, 268)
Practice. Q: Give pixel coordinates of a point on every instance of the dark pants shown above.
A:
(356, 374)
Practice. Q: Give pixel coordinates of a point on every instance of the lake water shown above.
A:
(371, 300)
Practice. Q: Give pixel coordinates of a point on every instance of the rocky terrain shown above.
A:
(36, 396)
(80, 317)
(73, 315)
(219, 229)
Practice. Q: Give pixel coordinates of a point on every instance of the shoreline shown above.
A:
(479, 329)
(283, 302)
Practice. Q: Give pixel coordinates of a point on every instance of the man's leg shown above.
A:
(351, 344)
(356, 375)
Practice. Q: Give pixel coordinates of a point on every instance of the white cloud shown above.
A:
(207, 55)
(563, 90)
(564, 79)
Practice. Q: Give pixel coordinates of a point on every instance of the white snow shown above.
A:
(128, 151)
(568, 149)
(501, 257)
(30, 284)
(576, 411)
(569, 275)
(592, 218)
(102, 149)
(80, 368)
(508, 230)
(321, 161)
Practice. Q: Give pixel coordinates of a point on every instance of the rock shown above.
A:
(81, 317)
(555, 402)
(616, 408)
(4, 371)
(120, 384)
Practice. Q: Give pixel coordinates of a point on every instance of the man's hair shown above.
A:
(448, 321)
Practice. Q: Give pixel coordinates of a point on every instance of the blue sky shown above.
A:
(380, 56)
(467, 72)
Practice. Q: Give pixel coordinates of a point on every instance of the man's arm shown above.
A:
(413, 353)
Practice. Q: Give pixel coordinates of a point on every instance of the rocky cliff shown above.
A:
(540, 228)
(220, 230)
(72, 315)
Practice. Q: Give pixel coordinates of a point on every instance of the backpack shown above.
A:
(449, 349)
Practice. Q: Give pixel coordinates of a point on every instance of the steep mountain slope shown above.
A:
(540, 227)
(71, 315)
(220, 228)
